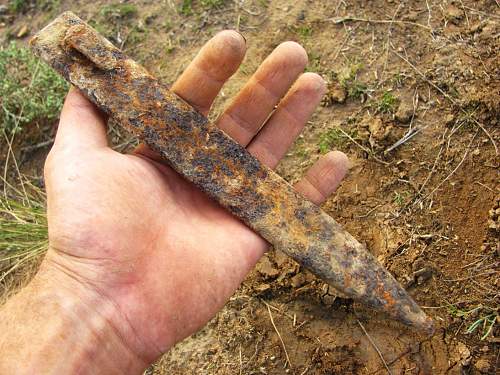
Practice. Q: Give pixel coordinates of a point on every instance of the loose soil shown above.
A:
(428, 209)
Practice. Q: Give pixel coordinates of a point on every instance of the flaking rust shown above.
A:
(220, 167)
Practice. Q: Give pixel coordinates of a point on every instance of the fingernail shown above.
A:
(243, 36)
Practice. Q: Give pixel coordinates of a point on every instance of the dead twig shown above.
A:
(368, 151)
(375, 347)
(447, 97)
(387, 44)
(279, 336)
(337, 20)
(37, 146)
(452, 172)
(490, 272)
(485, 186)
(369, 212)
(483, 13)
(409, 135)
(11, 140)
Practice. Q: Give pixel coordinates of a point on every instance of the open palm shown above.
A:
(155, 249)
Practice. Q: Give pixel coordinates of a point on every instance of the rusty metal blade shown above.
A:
(220, 167)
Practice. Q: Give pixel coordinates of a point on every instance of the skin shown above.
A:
(139, 258)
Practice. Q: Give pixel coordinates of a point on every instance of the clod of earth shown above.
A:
(220, 167)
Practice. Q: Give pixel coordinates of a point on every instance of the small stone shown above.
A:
(404, 112)
(336, 94)
(280, 258)
(267, 269)
(483, 366)
(449, 119)
(464, 355)
(466, 361)
(412, 16)
(453, 13)
(378, 131)
(492, 225)
(298, 280)
(23, 31)
(422, 275)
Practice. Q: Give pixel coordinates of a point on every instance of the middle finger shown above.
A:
(252, 106)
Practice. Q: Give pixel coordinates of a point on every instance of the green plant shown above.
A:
(210, 4)
(398, 79)
(186, 7)
(349, 81)
(167, 25)
(387, 103)
(30, 91)
(19, 6)
(119, 10)
(24, 235)
(332, 138)
(101, 27)
(314, 62)
(356, 89)
(137, 35)
(304, 31)
(487, 318)
(400, 198)
(487, 322)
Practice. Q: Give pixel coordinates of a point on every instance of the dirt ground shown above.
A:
(425, 72)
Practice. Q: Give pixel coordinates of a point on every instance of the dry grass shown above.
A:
(23, 236)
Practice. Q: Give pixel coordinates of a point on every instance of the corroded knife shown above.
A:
(220, 167)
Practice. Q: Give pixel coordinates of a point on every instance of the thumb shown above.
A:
(81, 124)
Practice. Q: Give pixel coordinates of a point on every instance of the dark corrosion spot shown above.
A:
(150, 135)
(300, 213)
(135, 122)
(229, 148)
(186, 120)
(175, 158)
(252, 165)
(178, 118)
(247, 204)
(211, 187)
(227, 170)
(238, 154)
(371, 301)
(76, 55)
(204, 163)
(62, 66)
(316, 261)
(73, 21)
(98, 50)
(117, 54)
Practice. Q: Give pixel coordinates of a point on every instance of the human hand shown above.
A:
(138, 244)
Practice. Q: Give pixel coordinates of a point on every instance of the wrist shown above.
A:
(57, 325)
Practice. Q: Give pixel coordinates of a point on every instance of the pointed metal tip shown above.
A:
(426, 324)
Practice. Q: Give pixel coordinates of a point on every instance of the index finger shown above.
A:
(218, 60)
